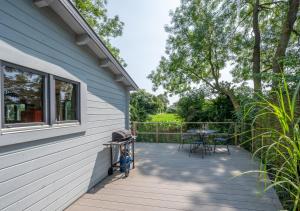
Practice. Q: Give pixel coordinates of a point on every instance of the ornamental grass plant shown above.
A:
(280, 154)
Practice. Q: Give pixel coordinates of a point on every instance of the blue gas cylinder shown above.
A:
(125, 161)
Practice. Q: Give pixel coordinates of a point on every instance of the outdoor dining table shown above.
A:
(207, 132)
(201, 139)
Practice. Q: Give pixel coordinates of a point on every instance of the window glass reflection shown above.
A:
(23, 96)
(66, 106)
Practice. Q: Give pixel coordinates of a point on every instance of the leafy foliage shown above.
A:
(280, 155)
(207, 36)
(190, 107)
(271, 18)
(162, 102)
(142, 104)
(197, 50)
(219, 109)
(194, 107)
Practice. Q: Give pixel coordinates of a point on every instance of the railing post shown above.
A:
(134, 129)
(262, 144)
(242, 130)
(157, 132)
(235, 134)
(252, 138)
(181, 133)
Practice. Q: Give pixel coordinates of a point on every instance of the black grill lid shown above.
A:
(121, 135)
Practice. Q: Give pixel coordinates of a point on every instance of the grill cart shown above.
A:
(123, 143)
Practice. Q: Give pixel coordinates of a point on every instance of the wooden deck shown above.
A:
(165, 179)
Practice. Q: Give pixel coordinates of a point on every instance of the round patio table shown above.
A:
(203, 140)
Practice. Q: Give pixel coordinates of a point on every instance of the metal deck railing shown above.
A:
(171, 132)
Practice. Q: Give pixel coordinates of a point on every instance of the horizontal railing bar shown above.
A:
(185, 123)
(166, 130)
(153, 133)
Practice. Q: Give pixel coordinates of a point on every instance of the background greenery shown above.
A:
(192, 107)
(165, 117)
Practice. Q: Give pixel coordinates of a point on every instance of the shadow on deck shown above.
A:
(167, 179)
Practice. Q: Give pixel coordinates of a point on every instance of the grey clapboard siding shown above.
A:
(51, 173)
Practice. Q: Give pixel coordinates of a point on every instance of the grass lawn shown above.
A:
(165, 117)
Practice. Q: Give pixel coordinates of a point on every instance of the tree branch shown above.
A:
(264, 7)
(213, 67)
(274, 2)
(203, 79)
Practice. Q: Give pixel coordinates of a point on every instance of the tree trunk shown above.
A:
(234, 101)
(287, 28)
(256, 49)
(225, 90)
(228, 92)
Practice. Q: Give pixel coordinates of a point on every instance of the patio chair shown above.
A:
(185, 137)
(196, 143)
(224, 138)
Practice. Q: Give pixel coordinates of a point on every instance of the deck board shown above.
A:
(167, 179)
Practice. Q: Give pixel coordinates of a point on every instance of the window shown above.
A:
(31, 97)
(23, 96)
(66, 101)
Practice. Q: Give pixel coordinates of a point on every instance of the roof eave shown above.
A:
(85, 35)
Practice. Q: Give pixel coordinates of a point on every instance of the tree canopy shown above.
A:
(195, 107)
(257, 39)
(197, 50)
(142, 104)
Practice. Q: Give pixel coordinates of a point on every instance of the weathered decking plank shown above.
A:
(167, 179)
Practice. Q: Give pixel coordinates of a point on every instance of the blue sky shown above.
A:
(143, 40)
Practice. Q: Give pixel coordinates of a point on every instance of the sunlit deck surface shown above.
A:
(167, 179)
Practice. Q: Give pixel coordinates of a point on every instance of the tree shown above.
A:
(197, 50)
(256, 48)
(286, 31)
(95, 14)
(259, 28)
(219, 109)
(142, 104)
(190, 106)
(162, 101)
(194, 107)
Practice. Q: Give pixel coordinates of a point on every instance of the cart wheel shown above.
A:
(126, 172)
(110, 171)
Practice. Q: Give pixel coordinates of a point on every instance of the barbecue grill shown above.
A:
(121, 139)
(121, 135)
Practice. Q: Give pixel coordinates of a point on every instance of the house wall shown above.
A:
(51, 173)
